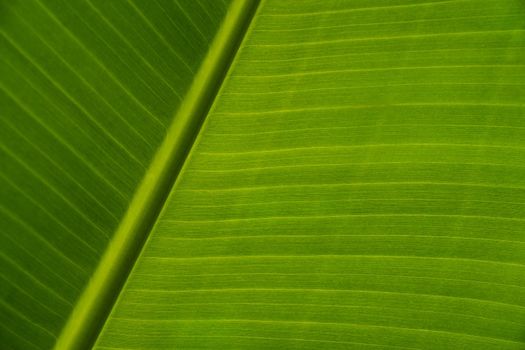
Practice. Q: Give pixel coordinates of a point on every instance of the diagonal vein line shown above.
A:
(26, 319)
(124, 61)
(97, 300)
(22, 337)
(61, 170)
(53, 189)
(185, 13)
(41, 262)
(71, 98)
(159, 35)
(35, 279)
(134, 49)
(49, 245)
(84, 82)
(101, 64)
(59, 138)
(49, 214)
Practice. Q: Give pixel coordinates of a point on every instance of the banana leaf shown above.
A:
(262, 175)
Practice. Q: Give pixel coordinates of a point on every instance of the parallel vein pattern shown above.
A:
(87, 91)
(359, 184)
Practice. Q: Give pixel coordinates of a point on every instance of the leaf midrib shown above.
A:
(97, 299)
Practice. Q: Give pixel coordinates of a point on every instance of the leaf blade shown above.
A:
(351, 188)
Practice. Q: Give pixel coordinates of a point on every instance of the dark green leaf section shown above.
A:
(359, 184)
(87, 92)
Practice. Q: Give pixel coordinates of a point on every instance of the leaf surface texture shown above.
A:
(358, 184)
(87, 92)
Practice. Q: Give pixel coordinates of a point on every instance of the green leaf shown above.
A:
(358, 183)
(89, 148)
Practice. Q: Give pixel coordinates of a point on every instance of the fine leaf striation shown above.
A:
(88, 90)
(358, 184)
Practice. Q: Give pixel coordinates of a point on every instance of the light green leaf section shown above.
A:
(88, 90)
(358, 184)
